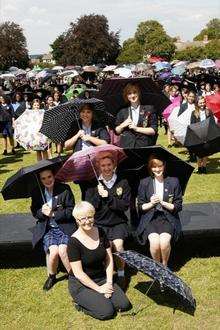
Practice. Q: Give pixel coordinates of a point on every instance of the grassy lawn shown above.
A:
(24, 305)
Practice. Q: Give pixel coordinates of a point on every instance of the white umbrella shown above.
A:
(123, 72)
(72, 73)
(7, 76)
(109, 68)
(58, 67)
(179, 124)
(207, 63)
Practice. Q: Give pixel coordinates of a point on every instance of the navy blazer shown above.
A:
(147, 118)
(195, 119)
(96, 131)
(172, 194)
(62, 204)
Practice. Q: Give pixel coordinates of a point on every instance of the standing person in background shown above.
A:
(57, 99)
(199, 114)
(173, 94)
(6, 124)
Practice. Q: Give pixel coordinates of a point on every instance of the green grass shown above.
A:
(24, 305)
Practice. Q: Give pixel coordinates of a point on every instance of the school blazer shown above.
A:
(195, 119)
(172, 194)
(132, 139)
(62, 204)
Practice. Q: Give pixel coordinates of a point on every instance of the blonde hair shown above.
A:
(83, 208)
(154, 160)
(196, 111)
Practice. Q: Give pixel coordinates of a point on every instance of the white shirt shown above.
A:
(202, 115)
(135, 114)
(86, 144)
(159, 186)
(110, 183)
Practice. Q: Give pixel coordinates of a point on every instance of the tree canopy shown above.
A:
(212, 30)
(87, 41)
(150, 39)
(13, 46)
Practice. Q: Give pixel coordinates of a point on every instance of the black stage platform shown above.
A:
(200, 220)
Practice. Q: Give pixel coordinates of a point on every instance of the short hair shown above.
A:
(154, 160)
(86, 106)
(105, 154)
(128, 88)
(83, 208)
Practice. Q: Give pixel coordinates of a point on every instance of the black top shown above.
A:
(110, 210)
(93, 261)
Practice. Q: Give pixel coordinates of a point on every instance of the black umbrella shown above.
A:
(136, 164)
(112, 93)
(60, 120)
(203, 138)
(159, 273)
(22, 183)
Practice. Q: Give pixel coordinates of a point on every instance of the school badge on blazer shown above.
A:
(170, 198)
(119, 191)
(145, 121)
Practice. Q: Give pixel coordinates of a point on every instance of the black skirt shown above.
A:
(120, 231)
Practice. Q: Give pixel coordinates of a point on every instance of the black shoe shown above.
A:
(200, 170)
(204, 170)
(4, 153)
(51, 280)
(13, 151)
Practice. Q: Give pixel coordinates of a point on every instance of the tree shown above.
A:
(13, 46)
(131, 52)
(87, 41)
(211, 50)
(212, 30)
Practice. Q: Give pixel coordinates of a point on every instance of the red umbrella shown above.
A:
(213, 103)
(81, 165)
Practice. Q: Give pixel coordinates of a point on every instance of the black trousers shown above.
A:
(94, 303)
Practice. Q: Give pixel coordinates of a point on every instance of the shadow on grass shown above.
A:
(213, 166)
(167, 298)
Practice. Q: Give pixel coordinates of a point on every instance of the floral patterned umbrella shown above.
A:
(27, 128)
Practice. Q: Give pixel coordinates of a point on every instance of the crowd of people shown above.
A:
(83, 235)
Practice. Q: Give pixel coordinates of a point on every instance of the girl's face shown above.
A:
(36, 106)
(158, 169)
(106, 167)
(133, 96)
(47, 179)
(50, 101)
(86, 115)
(201, 104)
(191, 98)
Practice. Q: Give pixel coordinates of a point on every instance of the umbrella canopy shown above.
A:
(81, 165)
(164, 75)
(112, 93)
(178, 124)
(169, 109)
(159, 273)
(159, 66)
(179, 70)
(109, 68)
(7, 76)
(137, 159)
(213, 103)
(58, 67)
(123, 72)
(22, 183)
(203, 138)
(217, 64)
(60, 120)
(72, 73)
(207, 63)
(180, 63)
(90, 68)
(26, 130)
(193, 65)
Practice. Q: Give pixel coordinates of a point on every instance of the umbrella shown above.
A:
(159, 273)
(175, 103)
(13, 68)
(109, 68)
(60, 120)
(123, 72)
(81, 165)
(90, 68)
(179, 70)
(137, 159)
(164, 75)
(58, 67)
(217, 64)
(112, 93)
(178, 124)
(24, 181)
(159, 66)
(7, 76)
(72, 73)
(180, 63)
(213, 103)
(207, 63)
(27, 128)
(193, 65)
(203, 138)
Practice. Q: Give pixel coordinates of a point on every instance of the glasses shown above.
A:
(84, 219)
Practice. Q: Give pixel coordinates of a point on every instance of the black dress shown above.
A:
(110, 211)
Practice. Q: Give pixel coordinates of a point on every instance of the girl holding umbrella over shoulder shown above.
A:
(136, 124)
(159, 202)
(111, 199)
(199, 114)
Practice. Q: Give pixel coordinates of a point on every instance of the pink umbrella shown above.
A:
(81, 165)
(217, 64)
(175, 103)
(213, 103)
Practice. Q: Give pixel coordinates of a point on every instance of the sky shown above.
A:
(43, 20)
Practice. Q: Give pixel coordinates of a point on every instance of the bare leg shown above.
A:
(64, 257)
(39, 157)
(154, 240)
(165, 247)
(44, 154)
(117, 245)
(53, 259)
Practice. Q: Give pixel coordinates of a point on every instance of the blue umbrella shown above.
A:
(178, 70)
(207, 63)
(159, 66)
